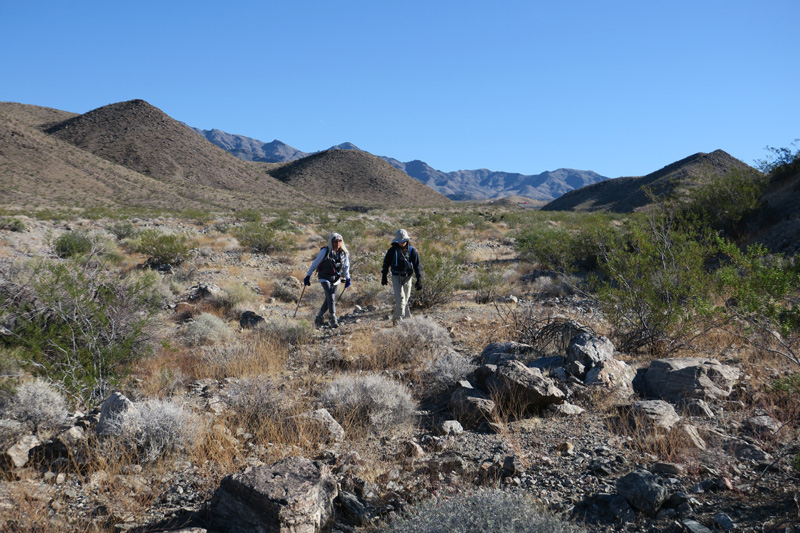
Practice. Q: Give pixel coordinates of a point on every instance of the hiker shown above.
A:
(403, 261)
(332, 265)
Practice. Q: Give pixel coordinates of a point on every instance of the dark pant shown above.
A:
(330, 299)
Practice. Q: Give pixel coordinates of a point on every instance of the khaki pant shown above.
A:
(402, 292)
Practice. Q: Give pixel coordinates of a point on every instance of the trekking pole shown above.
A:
(339, 298)
(298, 301)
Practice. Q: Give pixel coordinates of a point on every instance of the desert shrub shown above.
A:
(199, 216)
(442, 271)
(290, 332)
(726, 199)
(72, 244)
(155, 428)
(654, 281)
(12, 224)
(445, 370)
(368, 293)
(78, 323)
(122, 230)
(762, 302)
(285, 291)
(263, 238)
(413, 340)
(236, 295)
(369, 402)
(248, 215)
(39, 405)
(487, 284)
(164, 248)
(264, 408)
(780, 162)
(206, 329)
(483, 510)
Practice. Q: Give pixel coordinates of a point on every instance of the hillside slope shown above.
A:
(356, 178)
(625, 195)
(141, 137)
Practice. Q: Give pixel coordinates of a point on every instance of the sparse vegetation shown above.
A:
(164, 248)
(371, 403)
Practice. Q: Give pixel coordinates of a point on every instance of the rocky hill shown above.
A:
(356, 178)
(249, 149)
(625, 195)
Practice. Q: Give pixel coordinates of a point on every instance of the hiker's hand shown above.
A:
(418, 285)
(384, 281)
(346, 283)
(307, 281)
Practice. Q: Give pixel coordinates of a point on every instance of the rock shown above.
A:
(360, 512)
(724, 521)
(547, 363)
(643, 491)
(113, 406)
(250, 320)
(322, 425)
(450, 427)
(762, 425)
(18, 455)
(587, 350)
(565, 409)
(693, 526)
(523, 387)
(676, 379)
(656, 412)
(497, 352)
(293, 495)
(470, 406)
(612, 375)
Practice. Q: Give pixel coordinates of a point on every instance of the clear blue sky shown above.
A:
(619, 87)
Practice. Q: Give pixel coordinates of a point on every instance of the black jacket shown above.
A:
(394, 258)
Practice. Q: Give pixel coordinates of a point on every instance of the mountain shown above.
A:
(624, 195)
(38, 170)
(479, 184)
(250, 149)
(143, 138)
(356, 178)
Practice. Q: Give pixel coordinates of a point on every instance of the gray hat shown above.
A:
(401, 236)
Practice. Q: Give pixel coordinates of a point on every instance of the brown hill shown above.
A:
(624, 195)
(141, 137)
(35, 116)
(356, 178)
(38, 170)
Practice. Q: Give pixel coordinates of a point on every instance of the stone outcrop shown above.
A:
(676, 379)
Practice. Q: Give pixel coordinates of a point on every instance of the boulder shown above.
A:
(587, 350)
(655, 412)
(249, 319)
(470, 406)
(675, 379)
(497, 352)
(293, 495)
(322, 425)
(643, 491)
(113, 406)
(522, 386)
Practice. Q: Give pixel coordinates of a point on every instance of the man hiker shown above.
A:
(332, 265)
(402, 260)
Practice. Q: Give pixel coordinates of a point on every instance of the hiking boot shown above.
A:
(334, 323)
(319, 321)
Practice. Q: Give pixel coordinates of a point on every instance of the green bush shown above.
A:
(441, 273)
(263, 238)
(12, 224)
(478, 512)
(727, 199)
(761, 293)
(164, 248)
(780, 162)
(73, 244)
(654, 281)
(80, 324)
(123, 230)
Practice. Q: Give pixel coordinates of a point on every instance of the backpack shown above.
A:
(330, 267)
(401, 263)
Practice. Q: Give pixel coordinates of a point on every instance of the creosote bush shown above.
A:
(492, 510)
(73, 243)
(369, 402)
(164, 248)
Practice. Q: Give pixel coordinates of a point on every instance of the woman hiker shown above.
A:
(332, 265)
(402, 260)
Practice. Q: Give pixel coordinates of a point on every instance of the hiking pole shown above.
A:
(298, 301)
(339, 298)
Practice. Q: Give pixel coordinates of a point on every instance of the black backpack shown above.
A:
(401, 263)
(330, 267)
